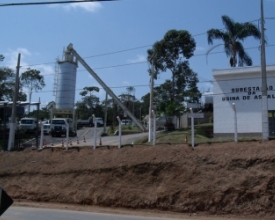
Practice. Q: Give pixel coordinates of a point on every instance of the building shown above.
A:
(242, 86)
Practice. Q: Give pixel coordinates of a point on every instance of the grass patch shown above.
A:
(203, 134)
(125, 129)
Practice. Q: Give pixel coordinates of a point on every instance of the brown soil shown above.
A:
(236, 179)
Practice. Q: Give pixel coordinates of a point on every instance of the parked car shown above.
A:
(59, 127)
(46, 128)
(28, 124)
(126, 122)
(100, 122)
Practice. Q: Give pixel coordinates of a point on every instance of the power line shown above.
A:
(143, 62)
(134, 63)
(129, 49)
(51, 3)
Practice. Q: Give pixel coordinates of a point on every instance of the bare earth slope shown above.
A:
(229, 178)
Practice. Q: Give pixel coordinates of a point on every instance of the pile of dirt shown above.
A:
(227, 178)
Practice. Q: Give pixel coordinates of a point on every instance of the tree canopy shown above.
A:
(7, 85)
(233, 36)
(89, 103)
(33, 80)
(172, 53)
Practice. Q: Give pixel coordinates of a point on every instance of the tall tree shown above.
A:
(232, 37)
(131, 91)
(89, 99)
(7, 85)
(33, 80)
(170, 52)
(50, 105)
(173, 49)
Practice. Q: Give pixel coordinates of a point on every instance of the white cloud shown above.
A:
(140, 58)
(11, 58)
(45, 69)
(87, 6)
(200, 48)
(126, 83)
(10, 61)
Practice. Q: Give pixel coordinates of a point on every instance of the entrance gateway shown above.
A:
(242, 86)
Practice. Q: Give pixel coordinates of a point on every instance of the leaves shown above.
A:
(171, 53)
(7, 84)
(89, 103)
(33, 80)
(232, 36)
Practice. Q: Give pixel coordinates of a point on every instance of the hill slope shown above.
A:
(228, 178)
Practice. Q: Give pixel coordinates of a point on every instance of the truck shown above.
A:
(85, 122)
(59, 127)
(90, 122)
(29, 124)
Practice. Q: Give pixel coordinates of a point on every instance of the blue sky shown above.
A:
(113, 37)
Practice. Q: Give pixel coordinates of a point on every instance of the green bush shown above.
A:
(206, 130)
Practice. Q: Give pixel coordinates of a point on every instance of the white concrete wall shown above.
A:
(241, 86)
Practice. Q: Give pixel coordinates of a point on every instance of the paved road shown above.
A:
(26, 213)
(85, 137)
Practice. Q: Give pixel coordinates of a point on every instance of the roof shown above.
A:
(241, 70)
(7, 103)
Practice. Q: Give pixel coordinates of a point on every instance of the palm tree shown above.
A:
(233, 35)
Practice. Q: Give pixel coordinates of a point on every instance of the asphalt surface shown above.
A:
(26, 213)
(86, 136)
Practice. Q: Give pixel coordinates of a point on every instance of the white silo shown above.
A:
(65, 82)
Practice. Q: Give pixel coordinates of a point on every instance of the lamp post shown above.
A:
(265, 129)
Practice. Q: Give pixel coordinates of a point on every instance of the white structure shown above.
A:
(242, 86)
(206, 98)
(65, 81)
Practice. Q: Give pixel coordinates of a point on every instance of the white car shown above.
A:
(46, 128)
(126, 122)
(99, 122)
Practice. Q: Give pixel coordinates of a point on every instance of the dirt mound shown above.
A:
(227, 178)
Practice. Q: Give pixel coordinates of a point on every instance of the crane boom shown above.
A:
(71, 50)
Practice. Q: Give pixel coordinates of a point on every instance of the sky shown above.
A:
(113, 38)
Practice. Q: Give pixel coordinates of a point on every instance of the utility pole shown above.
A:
(265, 128)
(14, 105)
(105, 113)
(151, 102)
